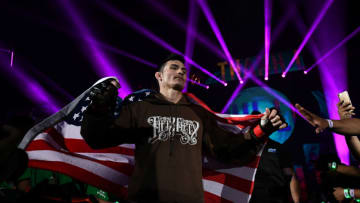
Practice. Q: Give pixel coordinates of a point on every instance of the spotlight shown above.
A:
(12, 58)
(283, 75)
(266, 78)
(225, 84)
(305, 72)
(211, 20)
(207, 87)
(241, 82)
(347, 38)
(310, 32)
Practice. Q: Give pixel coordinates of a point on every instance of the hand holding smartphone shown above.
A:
(345, 107)
(344, 97)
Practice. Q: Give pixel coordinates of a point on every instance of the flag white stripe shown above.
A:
(119, 158)
(225, 192)
(241, 172)
(114, 157)
(100, 170)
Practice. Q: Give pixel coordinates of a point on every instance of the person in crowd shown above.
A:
(275, 179)
(170, 133)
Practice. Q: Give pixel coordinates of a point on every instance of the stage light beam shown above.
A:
(12, 58)
(169, 14)
(310, 32)
(102, 63)
(267, 15)
(277, 30)
(206, 10)
(190, 35)
(347, 38)
(198, 83)
(150, 35)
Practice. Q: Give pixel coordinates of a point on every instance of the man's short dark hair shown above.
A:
(171, 57)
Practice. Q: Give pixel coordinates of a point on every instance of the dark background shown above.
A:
(48, 48)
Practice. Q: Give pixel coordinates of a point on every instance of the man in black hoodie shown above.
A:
(170, 133)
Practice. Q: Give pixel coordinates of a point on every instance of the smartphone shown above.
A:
(344, 96)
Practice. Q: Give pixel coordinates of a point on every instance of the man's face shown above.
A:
(173, 75)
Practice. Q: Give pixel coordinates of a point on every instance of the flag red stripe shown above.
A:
(124, 168)
(228, 180)
(81, 175)
(56, 136)
(78, 146)
(244, 121)
(247, 118)
(211, 198)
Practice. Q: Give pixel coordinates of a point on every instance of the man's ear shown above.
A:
(158, 76)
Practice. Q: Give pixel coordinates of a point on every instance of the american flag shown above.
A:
(56, 144)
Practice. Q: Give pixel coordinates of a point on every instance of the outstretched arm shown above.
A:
(348, 126)
(99, 128)
(348, 170)
(240, 147)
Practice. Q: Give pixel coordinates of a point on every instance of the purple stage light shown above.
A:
(313, 48)
(34, 90)
(267, 15)
(133, 24)
(270, 91)
(48, 82)
(193, 63)
(190, 34)
(161, 9)
(332, 68)
(108, 47)
(102, 63)
(308, 35)
(199, 84)
(233, 96)
(12, 58)
(347, 38)
(7, 51)
(31, 89)
(278, 29)
(126, 54)
(206, 10)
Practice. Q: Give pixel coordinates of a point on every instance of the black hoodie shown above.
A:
(169, 140)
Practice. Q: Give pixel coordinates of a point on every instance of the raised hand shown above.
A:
(103, 95)
(272, 121)
(345, 110)
(319, 123)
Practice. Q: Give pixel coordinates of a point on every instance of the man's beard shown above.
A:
(178, 87)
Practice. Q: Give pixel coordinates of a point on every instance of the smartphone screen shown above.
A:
(344, 96)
